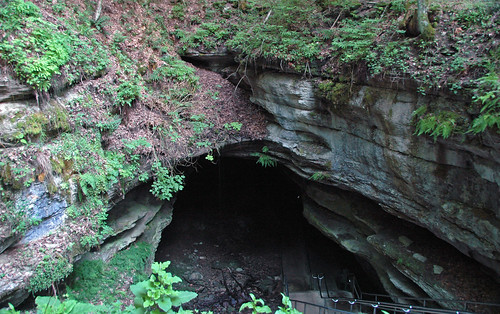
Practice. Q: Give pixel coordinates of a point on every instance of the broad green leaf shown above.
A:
(165, 303)
(263, 309)
(139, 289)
(183, 297)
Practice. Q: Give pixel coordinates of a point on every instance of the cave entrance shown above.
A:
(236, 228)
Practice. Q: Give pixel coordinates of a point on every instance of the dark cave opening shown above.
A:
(237, 227)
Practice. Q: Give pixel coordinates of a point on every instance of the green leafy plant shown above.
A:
(265, 160)
(236, 126)
(174, 70)
(488, 95)
(165, 184)
(54, 305)
(199, 124)
(318, 176)
(442, 124)
(158, 293)
(11, 310)
(353, 41)
(209, 35)
(128, 91)
(17, 217)
(38, 50)
(255, 305)
(49, 270)
(287, 306)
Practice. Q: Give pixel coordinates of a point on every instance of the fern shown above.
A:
(353, 40)
(265, 160)
(484, 121)
(488, 95)
(443, 124)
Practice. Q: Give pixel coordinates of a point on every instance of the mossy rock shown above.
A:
(34, 125)
(58, 119)
(335, 92)
(17, 176)
(370, 96)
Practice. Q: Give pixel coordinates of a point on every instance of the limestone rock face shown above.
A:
(361, 139)
(365, 143)
(139, 217)
(46, 210)
(12, 89)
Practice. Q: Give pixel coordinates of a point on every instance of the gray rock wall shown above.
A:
(364, 142)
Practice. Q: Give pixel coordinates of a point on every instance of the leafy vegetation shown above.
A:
(255, 305)
(49, 271)
(153, 295)
(487, 94)
(38, 50)
(157, 293)
(165, 184)
(54, 305)
(265, 160)
(258, 306)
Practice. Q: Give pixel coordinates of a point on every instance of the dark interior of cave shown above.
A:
(233, 225)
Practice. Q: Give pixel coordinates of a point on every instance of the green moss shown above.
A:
(428, 33)
(58, 119)
(336, 93)
(34, 125)
(18, 115)
(94, 280)
(52, 188)
(370, 97)
(18, 175)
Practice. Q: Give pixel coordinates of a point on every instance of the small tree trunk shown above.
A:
(98, 10)
(423, 25)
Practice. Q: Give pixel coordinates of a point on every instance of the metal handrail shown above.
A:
(320, 307)
(424, 301)
(395, 306)
(355, 289)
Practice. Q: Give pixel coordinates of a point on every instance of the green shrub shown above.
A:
(175, 70)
